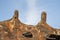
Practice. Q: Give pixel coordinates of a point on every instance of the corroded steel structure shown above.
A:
(14, 29)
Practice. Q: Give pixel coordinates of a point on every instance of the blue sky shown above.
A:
(30, 11)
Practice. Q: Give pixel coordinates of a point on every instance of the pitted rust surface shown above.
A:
(14, 29)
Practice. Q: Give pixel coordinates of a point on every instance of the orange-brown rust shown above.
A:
(8, 26)
(40, 36)
(17, 29)
(47, 26)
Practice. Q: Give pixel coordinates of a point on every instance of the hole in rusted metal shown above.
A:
(53, 37)
(28, 34)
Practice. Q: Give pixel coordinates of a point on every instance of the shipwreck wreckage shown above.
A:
(14, 29)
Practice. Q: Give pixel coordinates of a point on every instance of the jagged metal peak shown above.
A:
(43, 13)
(43, 16)
(16, 14)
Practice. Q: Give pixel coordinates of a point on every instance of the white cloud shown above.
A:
(31, 3)
(32, 13)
